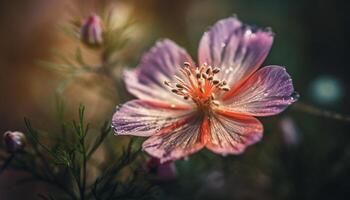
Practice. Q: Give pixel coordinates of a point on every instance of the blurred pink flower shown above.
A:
(161, 171)
(289, 130)
(184, 107)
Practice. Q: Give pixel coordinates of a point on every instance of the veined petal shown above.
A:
(237, 49)
(267, 92)
(231, 133)
(161, 63)
(178, 140)
(145, 118)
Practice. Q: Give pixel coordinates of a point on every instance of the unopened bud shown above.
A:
(14, 141)
(91, 31)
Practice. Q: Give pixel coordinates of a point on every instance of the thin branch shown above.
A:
(300, 106)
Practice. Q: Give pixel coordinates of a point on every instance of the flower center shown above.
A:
(198, 84)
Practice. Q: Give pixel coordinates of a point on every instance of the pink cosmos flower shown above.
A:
(184, 107)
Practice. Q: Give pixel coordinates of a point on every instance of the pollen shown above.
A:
(198, 84)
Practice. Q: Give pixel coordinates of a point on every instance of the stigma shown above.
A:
(198, 84)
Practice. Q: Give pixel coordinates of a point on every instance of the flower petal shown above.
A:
(267, 92)
(159, 64)
(231, 133)
(178, 140)
(237, 49)
(145, 118)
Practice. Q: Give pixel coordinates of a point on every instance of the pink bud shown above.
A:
(91, 31)
(161, 171)
(14, 141)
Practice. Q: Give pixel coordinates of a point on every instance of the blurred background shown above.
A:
(302, 156)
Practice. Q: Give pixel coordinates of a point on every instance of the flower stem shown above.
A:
(83, 185)
(299, 106)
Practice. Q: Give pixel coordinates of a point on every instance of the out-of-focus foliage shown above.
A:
(69, 162)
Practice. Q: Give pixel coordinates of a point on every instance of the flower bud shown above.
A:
(91, 31)
(162, 172)
(14, 141)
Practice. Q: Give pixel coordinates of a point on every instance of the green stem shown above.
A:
(299, 106)
(71, 170)
(83, 186)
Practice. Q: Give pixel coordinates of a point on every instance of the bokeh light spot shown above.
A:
(326, 90)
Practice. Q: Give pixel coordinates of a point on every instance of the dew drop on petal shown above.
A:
(229, 70)
(248, 33)
(172, 106)
(295, 97)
